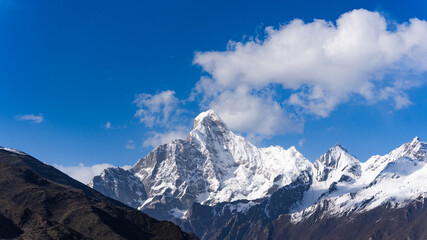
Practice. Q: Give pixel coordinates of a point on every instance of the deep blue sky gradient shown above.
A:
(81, 64)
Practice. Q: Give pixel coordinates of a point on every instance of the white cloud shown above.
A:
(258, 113)
(318, 65)
(107, 125)
(130, 145)
(84, 173)
(161, 112)
(301, 142)
(30, 117)
(158, 138)
(156, 109)
(397, 94)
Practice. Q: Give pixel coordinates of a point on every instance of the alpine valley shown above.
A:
(218, 185)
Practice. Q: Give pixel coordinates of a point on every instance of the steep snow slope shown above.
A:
(399, 176)
(236, 169)
(416, 149)
(396, 179)
(334, 173)
(336, 163)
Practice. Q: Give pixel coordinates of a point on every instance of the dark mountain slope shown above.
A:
(384, 222)
(39, 202)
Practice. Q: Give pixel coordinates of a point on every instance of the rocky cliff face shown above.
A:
(121, 185)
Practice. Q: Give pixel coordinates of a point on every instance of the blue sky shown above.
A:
(67, 68)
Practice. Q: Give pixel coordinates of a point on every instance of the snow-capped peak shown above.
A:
(336, 157)
(209, 118)
(336, 166)
(395, 178)
(338, 147)
(215, 165)
(416, 149)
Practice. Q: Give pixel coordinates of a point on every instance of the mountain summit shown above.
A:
(209, 119)
(211, 166)
(335, 163)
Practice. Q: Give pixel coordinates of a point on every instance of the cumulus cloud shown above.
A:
(84, 173)
(163, 113)
(156, 109)
(313, 67)
(30, 117)
(158, 138)
(257, 112)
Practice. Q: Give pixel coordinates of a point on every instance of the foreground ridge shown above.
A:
(40, 202)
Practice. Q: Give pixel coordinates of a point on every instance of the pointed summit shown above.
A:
(338, 147)
(415, 145)
(337, 158)
(415, 149)
(210, 118)
(334, 154)
(335, 163)
(416, 139)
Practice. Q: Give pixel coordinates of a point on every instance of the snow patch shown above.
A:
(177, 213)
(12, 150)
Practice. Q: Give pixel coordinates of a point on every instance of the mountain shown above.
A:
(211, 166)
(334, 173)
(340, 199)
(39, 202)
(220, 186)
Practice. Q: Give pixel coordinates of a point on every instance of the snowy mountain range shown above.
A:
(223, 175)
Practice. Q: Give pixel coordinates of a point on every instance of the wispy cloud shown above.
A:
(30, 117)
(130, 145)
(301, 142)
(84, 173)
(107, 125)
(158, 138)
(156, 109)
(161, 112)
